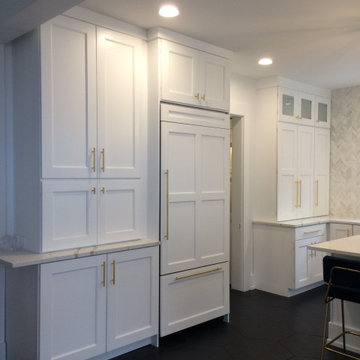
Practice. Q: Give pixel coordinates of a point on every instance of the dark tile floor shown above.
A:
(262, 326)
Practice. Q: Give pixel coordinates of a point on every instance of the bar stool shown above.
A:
(343, 278)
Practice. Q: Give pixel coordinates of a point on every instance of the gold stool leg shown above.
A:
(324, 330)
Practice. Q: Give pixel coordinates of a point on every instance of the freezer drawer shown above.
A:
(191, 297)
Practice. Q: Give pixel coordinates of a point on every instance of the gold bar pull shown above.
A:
(317, 192)
(166, 236)
(93, 190)
(113, 269)
(347, 232)
(198, 273)
(103, 282)
(300, 191)
(203, 97)
(103, 159)
(297, 193)
(197, 96)
(103, 190)
(93, 154)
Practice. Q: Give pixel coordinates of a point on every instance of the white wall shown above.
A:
(242, 100)
(2, 191)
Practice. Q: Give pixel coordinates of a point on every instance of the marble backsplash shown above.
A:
(345, 153)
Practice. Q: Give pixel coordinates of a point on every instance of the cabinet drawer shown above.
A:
(306, 232)
(191, 297)
(185, 115)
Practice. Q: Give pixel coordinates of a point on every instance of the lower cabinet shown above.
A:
(191, 297)
(88, 308)
(339, 231)
(283, 263)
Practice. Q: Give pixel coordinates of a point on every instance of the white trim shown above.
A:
(161, 33)
(80, 13)
(293, 85)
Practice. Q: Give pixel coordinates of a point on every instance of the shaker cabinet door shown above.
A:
(68, 98)
(121, 74)
(72, 309)
(194, 196)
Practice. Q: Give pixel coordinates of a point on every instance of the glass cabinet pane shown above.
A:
(306, 108)
(322, 112)
(288, 105)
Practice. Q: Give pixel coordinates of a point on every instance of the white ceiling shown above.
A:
(313, 41)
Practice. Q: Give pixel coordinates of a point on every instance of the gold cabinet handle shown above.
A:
(300, 191)
(347, 232)
(198, 273)
(297, 193)
(113, 270)
(317, 193)
(103, 159)
(197, 96)
(93, 190)
(166, 236)
(103, 190)
(298, 117)
(311, 232)
(103, 282)
(203, 97)
(93, 154)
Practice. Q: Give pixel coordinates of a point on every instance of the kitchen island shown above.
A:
(349, 246)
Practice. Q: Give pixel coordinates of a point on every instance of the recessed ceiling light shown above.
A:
(265, 61)
(169, 11)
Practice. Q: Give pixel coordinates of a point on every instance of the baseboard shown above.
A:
(3, 351)
(352, 342)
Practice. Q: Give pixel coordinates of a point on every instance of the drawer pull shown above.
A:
(113, 269)
(198, 273)
(103, 282)
(311, 232)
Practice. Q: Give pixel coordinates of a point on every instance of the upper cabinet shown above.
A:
(80, 157)
(193, 77)
(322, 112)
(92, 101)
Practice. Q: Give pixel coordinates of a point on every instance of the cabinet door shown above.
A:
(288, 105)
(323, 112)
(316, 261)
(179, 73)
(321, 172)
(287, 190)
(121, 104)
(69, 214)
(121, 210)
(133, 279)
(68, 98)
(72, 309)
(356, 230)
(305, 170)
(214, 81)
(194, 196)
(306, 109)
(339, 231)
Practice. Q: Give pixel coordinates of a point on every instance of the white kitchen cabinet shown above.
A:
(82, 308)
(80, 163)
(194, 77)
(323, 112)
(356, 229)
(195, 196)
(283, 264)
(308, 263)
(284, 146)
(321, 171)
(338, 231)
(194, 296)
(296, 107)
(295, 171)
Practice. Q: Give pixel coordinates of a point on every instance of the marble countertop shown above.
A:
(23, 258)
(308, 221)
(345, 246)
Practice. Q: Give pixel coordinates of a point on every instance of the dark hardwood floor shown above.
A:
(262, 326)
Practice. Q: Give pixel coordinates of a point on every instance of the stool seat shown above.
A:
(343, 278)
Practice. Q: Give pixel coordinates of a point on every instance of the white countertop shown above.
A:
(345, 246)
(22, 258)
(307, 221)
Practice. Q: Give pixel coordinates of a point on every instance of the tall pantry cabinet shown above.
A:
(80, 174)
(80, 136)
(187, 79)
